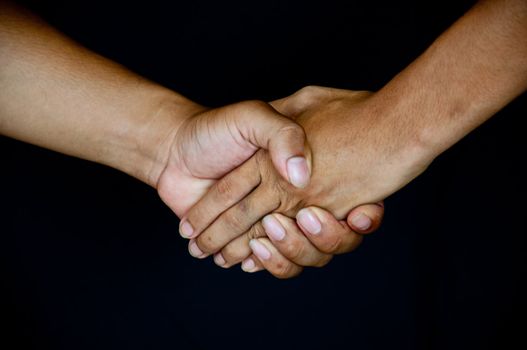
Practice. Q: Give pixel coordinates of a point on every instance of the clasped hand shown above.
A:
(246, 211)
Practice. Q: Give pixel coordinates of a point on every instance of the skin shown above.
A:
(58, 95)
(365, 146)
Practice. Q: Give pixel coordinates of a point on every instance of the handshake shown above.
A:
(239, 175)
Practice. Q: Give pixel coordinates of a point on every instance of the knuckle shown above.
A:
(256, 231)
(243, 207)
(278, 187)
(289, 202)
(331, 245)
(291, 130)
(323, 261)
(308, 91)
(233, 254)
(224, 188)
(283, 270)
(293, 251)
(308, 94)
(206, 243)
(234, 221)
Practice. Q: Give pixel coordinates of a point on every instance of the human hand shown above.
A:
(211, 142)
(359, 156)
(312, 240)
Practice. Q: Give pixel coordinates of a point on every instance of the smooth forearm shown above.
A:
(59, 95)
(473, 70)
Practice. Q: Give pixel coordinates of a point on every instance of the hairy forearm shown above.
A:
(470, 72)
(56, 94)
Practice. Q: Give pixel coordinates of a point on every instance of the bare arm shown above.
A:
(470, 72)
(56, 94)
(367, 146)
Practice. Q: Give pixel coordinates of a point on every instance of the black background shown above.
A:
(91, 259)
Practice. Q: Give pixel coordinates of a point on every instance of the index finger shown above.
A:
(228, 191)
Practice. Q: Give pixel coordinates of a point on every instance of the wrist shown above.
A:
(402, 121)
(151, 141)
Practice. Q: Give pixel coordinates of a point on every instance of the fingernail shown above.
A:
(361, 221)
(298, 172)
(309, 221)
(186, 229)
(194, 250)
(248, 265)
(273, 228)
(219, 259)
(259, 250)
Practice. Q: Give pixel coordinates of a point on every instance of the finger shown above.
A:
(288, 106)
(194, 250)
(291, 242)
(366, 218)
(309, 96)
(237, 219)
(297, 103)
(305, 98)
(238, 249)
(221, 196)
(285, 140)
(271, 259)
(327, 233)
(252, 264)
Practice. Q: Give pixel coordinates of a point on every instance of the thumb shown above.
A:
(285, 140)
